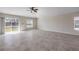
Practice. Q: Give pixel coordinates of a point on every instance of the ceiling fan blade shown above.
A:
(36, 9)
(33, 9)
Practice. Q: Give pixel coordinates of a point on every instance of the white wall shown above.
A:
(62, 23)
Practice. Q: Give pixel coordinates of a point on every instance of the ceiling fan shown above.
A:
(33, 9)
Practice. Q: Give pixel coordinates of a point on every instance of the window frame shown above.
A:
(76, 18)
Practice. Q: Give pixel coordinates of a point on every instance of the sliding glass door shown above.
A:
(12, 25)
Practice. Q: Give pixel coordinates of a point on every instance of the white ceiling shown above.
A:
(54, 11)
(22, 11)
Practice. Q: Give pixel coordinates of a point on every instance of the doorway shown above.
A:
(29, 23)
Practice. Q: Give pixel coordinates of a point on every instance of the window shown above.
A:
(76, 23)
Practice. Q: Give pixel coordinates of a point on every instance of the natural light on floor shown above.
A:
(12, 32)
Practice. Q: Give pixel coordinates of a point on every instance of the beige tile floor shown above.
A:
(37, 40)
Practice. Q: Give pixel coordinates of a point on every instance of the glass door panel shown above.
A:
(11, 25)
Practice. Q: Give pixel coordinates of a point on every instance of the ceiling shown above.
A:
(54, 11)
(22, 11)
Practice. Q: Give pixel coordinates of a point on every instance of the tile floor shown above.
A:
(37, 40)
